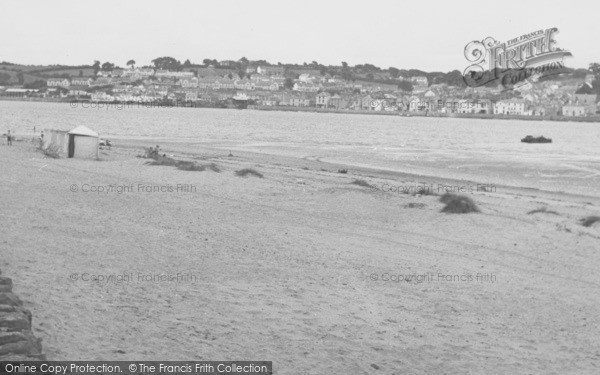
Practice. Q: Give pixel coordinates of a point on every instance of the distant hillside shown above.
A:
(16, 74)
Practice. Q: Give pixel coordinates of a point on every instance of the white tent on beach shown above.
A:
(80, 142)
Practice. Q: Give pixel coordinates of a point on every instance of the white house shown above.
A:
(58, 82)
(81, 81)
(169, 74)
(420, 80)
(510, 107)
(322, 100)
(573, 110)
(189, 82)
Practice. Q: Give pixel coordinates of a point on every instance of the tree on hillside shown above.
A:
(167, 63)
(454, 78)
(347, 75)
(107, 66)
(595, 69)
(405, 86)
(37, 84)
(288, 84)
(244, 61)
(96, 66)
(416, 72)
(212, 62)
(367, 68)
(394, 72)
(187, 63)
(344, 65)
(131, 63)
(4, 79)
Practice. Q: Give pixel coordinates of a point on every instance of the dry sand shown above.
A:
(282, 267)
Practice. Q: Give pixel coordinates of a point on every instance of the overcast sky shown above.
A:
(427, 35)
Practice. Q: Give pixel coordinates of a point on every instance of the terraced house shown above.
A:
(81, 81)
(188, 82)
(58, 82)
(510, 107)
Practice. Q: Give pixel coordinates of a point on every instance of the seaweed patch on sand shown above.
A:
(248, 172)
(458, 204)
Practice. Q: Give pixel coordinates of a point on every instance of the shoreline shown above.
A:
(186, 149)
(431, 115)
(554, 118)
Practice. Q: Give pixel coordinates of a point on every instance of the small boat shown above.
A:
(540, 139)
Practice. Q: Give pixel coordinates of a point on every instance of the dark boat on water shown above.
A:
(532, 139)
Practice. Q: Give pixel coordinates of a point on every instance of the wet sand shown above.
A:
(283, 268)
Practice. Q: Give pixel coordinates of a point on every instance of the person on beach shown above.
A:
(9, 138)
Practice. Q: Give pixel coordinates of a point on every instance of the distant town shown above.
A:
(257, 84)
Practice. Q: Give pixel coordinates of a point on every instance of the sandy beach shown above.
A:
(301, 267)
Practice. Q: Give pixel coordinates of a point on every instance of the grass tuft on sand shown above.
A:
(52, 151)
(458, 204)
(542, 210)
(589, 221)
(213, 167)
(248, 171)
(190, 166)
(415, 205)
(184, 165)
(362, 183)
(423, 192)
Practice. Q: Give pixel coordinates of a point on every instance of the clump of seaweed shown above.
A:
(589, 221)
(184, 165)
(415, 205)
(458, 204)
(248, 171)
(362, 183)
(542, 210)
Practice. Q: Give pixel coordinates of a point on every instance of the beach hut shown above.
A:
(80, 142)
(58, 140)
(83, 143)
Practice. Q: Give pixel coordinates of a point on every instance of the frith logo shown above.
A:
(514, 63)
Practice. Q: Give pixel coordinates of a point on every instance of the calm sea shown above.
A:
(483, 151)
